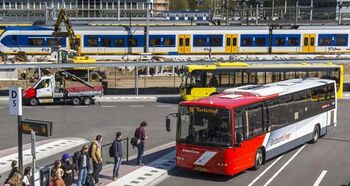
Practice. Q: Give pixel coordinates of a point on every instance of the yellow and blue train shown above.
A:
(113, 40)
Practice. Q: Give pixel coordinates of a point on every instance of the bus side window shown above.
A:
(239, 126)
(255, 121)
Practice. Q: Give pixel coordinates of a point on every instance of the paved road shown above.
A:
(327, 161)
(88, 121)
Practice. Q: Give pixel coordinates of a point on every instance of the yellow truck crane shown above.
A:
(72, 54)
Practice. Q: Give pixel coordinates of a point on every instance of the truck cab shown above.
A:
(41, 92)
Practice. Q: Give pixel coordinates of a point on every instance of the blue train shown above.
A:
(177, 40)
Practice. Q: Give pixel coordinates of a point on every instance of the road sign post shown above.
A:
(33, 141)
(15, 108)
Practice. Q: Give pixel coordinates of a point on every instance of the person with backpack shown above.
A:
(96, 155)
(13, 169)
(116, 151)
(83, 165)
(141, 135)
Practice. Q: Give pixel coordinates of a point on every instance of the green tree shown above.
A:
(192, 4)
(178, 5)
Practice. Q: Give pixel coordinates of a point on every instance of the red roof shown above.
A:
(218, 101)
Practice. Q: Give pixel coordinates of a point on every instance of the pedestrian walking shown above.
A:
(141, 135)
(57, 174)
(117, 150)
(67, 167)
(15, 179)
(26, 176)
(96, 155)
(83, 165)
(13, 168)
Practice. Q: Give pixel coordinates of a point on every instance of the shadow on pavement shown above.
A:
(170, 100)
(150, 157)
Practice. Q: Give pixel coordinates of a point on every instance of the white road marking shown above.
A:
(108, 106)
(319, 179)
(49, 107)
(136, 106)
(164, 105)
(80, 106)
(2, 107)
(261, 174)
(284, 166)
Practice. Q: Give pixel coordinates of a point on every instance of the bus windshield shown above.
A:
(207, 126)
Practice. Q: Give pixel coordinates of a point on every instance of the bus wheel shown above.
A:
(33, 102)
(87, 101)
(259, 157)
(76, 101)
(316, 134)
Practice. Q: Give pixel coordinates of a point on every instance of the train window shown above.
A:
(341, 40)
(36, 41)
(312, 41)
(106, 42)
(181, 42)
(234, 41)
(306, 41)
(247, 42)
(132, 42)
(293, 41)
(215, 41)
(119, 42)
(187, 42)
(280, 41)
(154, 42)
(53, 42)
(325, 41)
(260, 41)
(228, 41)
(169, 42)
(92, 42)
(199, 42)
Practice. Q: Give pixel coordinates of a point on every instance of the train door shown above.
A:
(231, 43)
(309, 43)
(184, 44)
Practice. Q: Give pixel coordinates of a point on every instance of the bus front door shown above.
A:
(231, 44)
(184, 44)
(309, 43)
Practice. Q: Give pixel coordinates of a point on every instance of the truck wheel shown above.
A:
(87, 101)
(33, 101)
(76, 101)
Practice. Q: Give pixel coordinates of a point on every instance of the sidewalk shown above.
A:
(157, 161)
(124, 98)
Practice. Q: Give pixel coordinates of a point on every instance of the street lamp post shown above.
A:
(147, 26)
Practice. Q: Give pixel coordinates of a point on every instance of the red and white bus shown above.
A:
(245, 126)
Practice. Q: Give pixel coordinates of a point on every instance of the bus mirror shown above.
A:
(167, 124)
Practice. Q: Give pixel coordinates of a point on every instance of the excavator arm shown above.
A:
(73, 40)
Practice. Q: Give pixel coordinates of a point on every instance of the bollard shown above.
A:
(44, 176)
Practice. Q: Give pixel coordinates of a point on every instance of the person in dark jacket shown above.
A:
(118, 153)
(67, 167)
(83, 165)
(141, 134)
